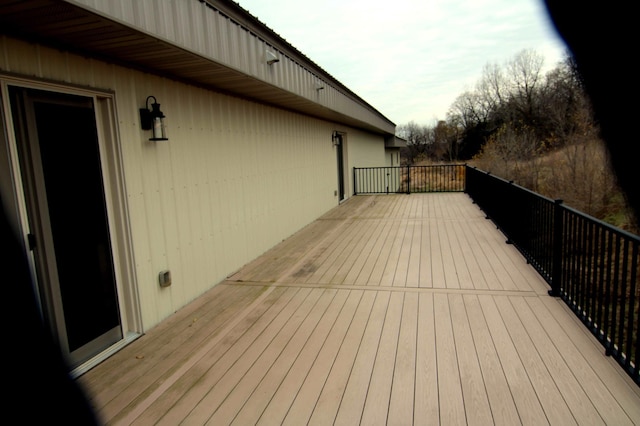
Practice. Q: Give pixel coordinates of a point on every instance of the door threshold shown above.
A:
(89, 364)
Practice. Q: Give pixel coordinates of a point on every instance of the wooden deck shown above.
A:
(397, 310)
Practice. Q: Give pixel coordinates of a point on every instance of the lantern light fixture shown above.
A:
(153, 119)
(335, 138)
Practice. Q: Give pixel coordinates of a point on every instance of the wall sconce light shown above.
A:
(271, 57)
(336, 138)
(319, 86)
(153, 119)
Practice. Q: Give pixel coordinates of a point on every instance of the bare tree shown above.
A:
(480, 106)
(538, 130)
(492, 89)
(446, 141)
(417, 137)
(466, 110)
(567, 109)
(511, 153)
(525, 77)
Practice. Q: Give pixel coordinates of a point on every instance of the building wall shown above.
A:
(365, 152)
(366, 149)
(393, 157)
(234, 179)
(198, 26)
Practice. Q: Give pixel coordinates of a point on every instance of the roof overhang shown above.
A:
(395, 142)
(71, 27)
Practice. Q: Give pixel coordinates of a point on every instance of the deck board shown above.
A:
(524, 395)
(379, 388)
(355, 393)
(321, 394)
(404, 373)
(576, 344)
(549, 396)
(503, 408)
(426, 406)
(476, 402)
(450, 395)
(399, 309)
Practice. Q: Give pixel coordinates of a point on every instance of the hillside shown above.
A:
(578, 174)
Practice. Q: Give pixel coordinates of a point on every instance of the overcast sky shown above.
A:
(410, 59)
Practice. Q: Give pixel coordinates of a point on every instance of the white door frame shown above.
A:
(115, 194)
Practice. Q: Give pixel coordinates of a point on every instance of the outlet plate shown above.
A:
(164, 278)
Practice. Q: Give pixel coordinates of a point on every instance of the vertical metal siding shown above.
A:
(195, 26)
(363, 150)
(235, 178)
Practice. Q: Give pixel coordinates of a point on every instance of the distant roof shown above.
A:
(395, 142)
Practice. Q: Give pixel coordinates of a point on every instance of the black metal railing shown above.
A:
(409, 179)
(590, 264)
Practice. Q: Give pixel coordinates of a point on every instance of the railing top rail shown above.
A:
(608, 226)
(512, 183)
(404, 167)
(574, 211)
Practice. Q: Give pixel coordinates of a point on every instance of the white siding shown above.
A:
(235, 178)
(366, 150)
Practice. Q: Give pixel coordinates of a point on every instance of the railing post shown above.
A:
(387, 182)
(355, 182)
(556, 272)
(408, 179)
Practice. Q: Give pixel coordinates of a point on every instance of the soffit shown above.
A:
(70, 27)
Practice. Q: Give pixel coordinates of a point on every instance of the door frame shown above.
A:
(115, 195)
